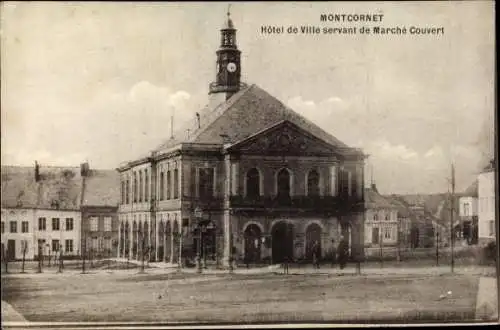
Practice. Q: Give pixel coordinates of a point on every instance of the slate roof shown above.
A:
(19, 188)
(61, 184)
(374, 200)
(403, 208)
(471, 191)
(102, 188)
(250, 110)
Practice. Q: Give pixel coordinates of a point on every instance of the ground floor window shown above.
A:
(55, 245)
(69, 245)
(492, 227)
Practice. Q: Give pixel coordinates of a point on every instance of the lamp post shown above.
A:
(198, 214)
(39, 257)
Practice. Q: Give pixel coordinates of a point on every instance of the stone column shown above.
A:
(227, 238)
(166, 233)
(157, 241)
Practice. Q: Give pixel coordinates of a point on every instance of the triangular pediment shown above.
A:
(284, 138)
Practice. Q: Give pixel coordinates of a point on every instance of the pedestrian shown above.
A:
(334, 253)
(315, 254)
(285, 265)
(343, 250)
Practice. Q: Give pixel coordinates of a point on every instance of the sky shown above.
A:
(98, 82)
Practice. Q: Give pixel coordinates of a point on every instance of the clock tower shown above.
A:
(228, 70)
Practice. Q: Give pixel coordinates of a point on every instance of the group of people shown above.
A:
(339, 254)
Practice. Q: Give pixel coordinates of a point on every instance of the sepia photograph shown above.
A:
(248, 164)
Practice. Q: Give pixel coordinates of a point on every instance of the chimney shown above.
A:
(37, 172)
(84, 169)
(198, 119)
(374, 188)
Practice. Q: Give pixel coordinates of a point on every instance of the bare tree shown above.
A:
(5, 260)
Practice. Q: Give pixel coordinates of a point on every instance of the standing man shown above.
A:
(343, 250)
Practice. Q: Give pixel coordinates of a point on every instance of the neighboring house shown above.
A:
(19, 198)
(468, 215)
(99, 212)
(381, 220)
(45, 204)
(267, 182)
(487, 204)
(404, 221)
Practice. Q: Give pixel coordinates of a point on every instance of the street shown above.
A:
(126, 295)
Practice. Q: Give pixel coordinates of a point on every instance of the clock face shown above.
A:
(231, 67)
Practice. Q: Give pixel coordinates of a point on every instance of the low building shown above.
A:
(381, 220)
(487, 204)
(42, 209)
(18, 212)
(468, 215)
(99, 212)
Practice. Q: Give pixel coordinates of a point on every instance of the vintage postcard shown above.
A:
(283, 164)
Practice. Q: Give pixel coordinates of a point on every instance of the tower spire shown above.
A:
(228, 73)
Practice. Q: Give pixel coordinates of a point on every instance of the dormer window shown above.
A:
(54, 204)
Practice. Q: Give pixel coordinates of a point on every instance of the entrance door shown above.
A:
(282, 242)
(313, 241)
(252, 243)
(11, 249)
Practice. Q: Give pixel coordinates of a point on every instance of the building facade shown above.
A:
(468, 215)
(487, 204)
(101, 196)
(40, 210)
(267, 183)
(381, 220)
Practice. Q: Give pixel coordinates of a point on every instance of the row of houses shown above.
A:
(424, 220)
(400, 221)
(49, 209)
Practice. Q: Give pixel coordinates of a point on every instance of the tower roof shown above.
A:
(228, 23)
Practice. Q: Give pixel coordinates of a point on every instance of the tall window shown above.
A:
(140, 186)
(206, 182)
(313, 183)
(283, 183)
(55, 245)
(55, 224)
(375, 217)
(466, 209)
(147, 188)
(387, 232)
(24, 227)
(107, 223)
(42, 224)
(13, 227)
(122, 185)
(135, 187)
(169, 184)
(107, 243)
(349, 183)
(69, 224)
(69, 245)
(162, 186)
(253, 183)
(127, 193)
(492, 227)
(176, 184)
(94, 224)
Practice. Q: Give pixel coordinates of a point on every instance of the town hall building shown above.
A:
(267, 183)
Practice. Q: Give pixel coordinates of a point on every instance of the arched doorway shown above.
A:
(253, 243)
(282, 242)
(313, 241)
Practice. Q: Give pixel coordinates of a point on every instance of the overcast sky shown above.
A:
(99, 81)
